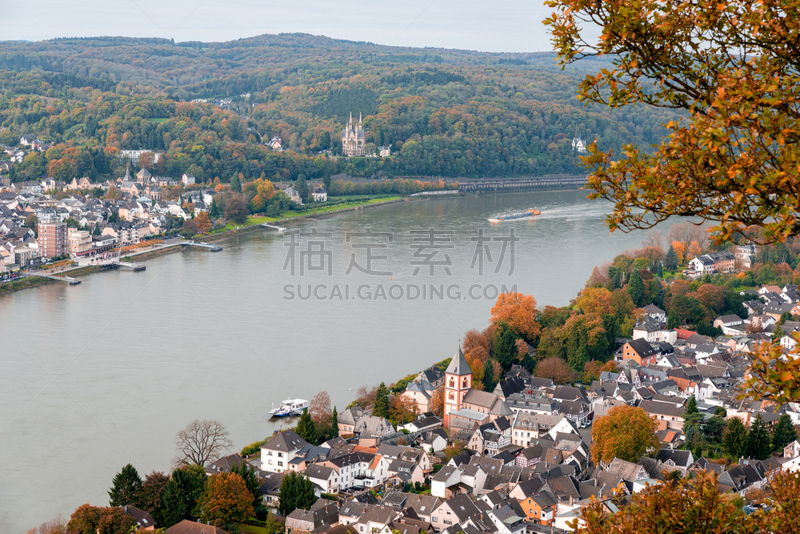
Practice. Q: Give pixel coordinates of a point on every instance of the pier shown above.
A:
(71, 281)
(280, 229)
(207, 246)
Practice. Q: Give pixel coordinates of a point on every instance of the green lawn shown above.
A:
(374, 199)
(252, 528)
(159, 120)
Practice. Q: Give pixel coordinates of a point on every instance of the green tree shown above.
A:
(288, 493)
(334, 433)
(127, 485)
(236, 184)
(504, 348)
(184, 488)
(671, 259)
(488, 376)
(734, 440)
(692, 421)
(636, 288)
(381, 408)
(784, 433)
(296, 491)
(302, 187)
(759, 444)
(306, 429)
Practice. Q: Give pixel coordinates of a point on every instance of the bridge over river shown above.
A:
(554, 180)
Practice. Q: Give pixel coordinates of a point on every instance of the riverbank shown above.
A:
(252, 224)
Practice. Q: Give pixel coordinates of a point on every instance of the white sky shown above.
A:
(504, 26)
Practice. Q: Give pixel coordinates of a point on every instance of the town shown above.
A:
(453, 449)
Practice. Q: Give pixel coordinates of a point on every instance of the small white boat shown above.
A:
(289, 408)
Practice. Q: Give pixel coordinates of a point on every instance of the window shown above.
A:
(435, 519)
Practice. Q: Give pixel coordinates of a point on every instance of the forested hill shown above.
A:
(445, 112)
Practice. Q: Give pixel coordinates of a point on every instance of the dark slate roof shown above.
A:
(458, 366)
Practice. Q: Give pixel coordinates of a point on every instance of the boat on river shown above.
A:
(527, 214)
(289, 408)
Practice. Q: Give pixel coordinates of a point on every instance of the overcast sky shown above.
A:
(500, 26)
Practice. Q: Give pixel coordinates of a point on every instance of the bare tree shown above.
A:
(320, 409)
(54, 526)
(686, 232)
(201, 442)
(653, 239)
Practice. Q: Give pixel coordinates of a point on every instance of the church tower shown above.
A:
(457, 381)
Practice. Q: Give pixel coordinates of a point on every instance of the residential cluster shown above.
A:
(525, 465)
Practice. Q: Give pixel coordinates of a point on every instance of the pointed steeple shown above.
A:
(359, 120)
(459, 366)
(128, 173)
(351, 119)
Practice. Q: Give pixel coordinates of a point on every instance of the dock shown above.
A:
(207, 246)
(68, 279)
(280, 229)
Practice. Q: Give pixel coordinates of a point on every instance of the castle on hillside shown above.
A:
(353, 139)
(578, 145)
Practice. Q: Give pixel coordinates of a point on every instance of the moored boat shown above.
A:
(289, 408)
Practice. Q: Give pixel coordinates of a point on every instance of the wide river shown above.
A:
(103, 374)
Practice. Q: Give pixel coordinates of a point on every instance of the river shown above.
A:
(103, 374)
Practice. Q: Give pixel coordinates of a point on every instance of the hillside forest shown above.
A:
(209, 109)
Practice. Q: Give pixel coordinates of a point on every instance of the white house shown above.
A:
(725, 322)
(188, 179)
(319, 194)
(702, 265)
(279, 450)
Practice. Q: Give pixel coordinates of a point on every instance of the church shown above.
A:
(464, 406)
(353, 140)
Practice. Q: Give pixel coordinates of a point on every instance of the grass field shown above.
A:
(373, 199)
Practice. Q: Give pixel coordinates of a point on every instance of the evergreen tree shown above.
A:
(660, 270)
(777, 333)
(673, 321)
(288, 493)
(734, 440)
(784, 433)
(236, 184)
(305, 495)
(488, 376)
(334, 433)
(671, 259)
(381, 408)
(126, 488)
(306, 429)
(692, 421)
(302, 187)
(759, 444)
(691, 406)
(181, 494)
(504, 348)
(248, 474)
(296, 491)
(614, 278)
(636, 288)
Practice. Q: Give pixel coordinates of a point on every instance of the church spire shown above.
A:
(359, 120)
